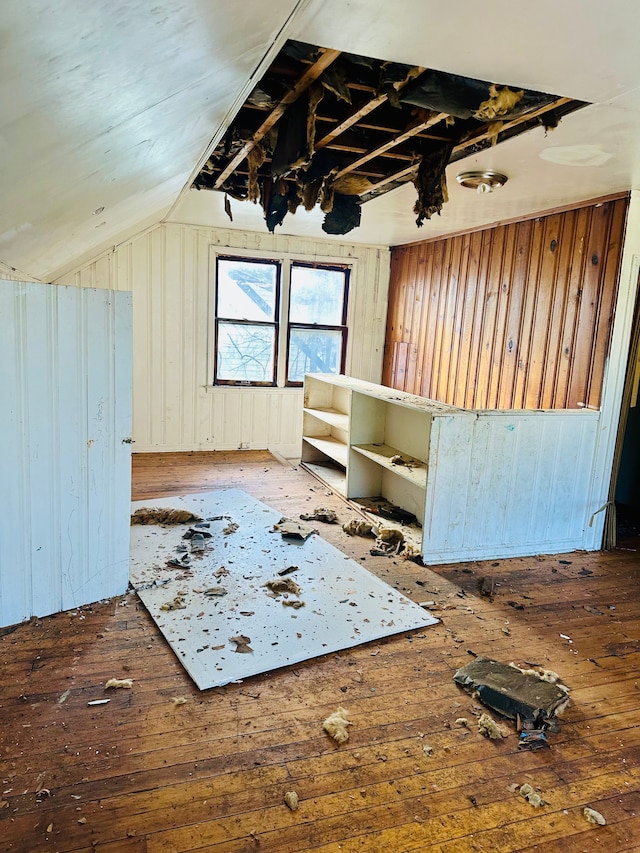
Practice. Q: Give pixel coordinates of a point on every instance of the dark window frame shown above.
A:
(275, 323)
(345, 269)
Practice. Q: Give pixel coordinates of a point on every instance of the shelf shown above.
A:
(415, 472)
(330, 416)
(330, 446)
(335, 478)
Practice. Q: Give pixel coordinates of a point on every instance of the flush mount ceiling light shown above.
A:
(485, 181)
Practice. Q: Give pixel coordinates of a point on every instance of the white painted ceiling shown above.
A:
(115, 103)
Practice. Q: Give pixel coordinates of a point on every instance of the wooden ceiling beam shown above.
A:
(363, 111)
(483, 134)
(310, 76)
(392, 143)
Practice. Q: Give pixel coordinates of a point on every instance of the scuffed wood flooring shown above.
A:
(144, 775)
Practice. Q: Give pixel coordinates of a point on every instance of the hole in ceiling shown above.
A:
(334, 130)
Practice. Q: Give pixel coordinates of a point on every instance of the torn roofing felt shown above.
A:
(335, 130)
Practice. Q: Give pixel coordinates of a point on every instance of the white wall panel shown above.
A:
(65, 398)
(509, 483)
(175, 408)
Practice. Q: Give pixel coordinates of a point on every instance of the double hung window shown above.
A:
(277, 319)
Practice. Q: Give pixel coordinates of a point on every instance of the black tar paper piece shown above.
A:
(511, 692)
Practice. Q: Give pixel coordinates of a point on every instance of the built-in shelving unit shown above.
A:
(481, 484)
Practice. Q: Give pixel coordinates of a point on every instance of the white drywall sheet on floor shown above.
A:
(344, 604)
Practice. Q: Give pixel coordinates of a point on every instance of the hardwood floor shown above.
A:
(144, 775)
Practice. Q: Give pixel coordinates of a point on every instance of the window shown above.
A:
(277, 319)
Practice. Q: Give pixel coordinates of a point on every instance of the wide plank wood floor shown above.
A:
(144, 775)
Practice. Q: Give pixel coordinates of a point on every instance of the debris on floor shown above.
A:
(523, 696)
(124, 683)
(98, 702)
(532, 796)
(488, 727)
(288, 527)
(321, 513)
(358, 527)
(242, 644)
(533, 739)
(176, 603)
(281, 586)
(230, 528)
(179, 700)
(592, 816)
(292, 800)
(162, 515)
(336, 725)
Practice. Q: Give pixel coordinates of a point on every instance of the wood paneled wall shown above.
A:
(174, 405)
(513, 317)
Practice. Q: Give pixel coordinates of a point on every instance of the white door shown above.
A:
(65, 456)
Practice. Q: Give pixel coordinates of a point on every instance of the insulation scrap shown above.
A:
(532, 796)
(358, 527)
(159, 515)
(295, 603)
(255, 158)
(335, 80)
(292, 800)
(462, 721)
(428, 750)
(242, 644)
(230, 528)
(352, 185)
(344, 216)
(289, 527)
(501, 100)
(321, 513)
(512, 692)
(489, 728)
(431, 182)
(283, 585)
(336, 725)
(125, 683)
(176, 603)
(179, 700)
(592, 816)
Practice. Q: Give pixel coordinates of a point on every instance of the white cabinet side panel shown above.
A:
(64, 469)
(517, 484)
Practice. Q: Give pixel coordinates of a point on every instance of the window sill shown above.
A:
(234, 389)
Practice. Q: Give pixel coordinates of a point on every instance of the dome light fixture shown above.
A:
(485, 181)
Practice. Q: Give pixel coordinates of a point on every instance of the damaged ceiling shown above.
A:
(335, 130)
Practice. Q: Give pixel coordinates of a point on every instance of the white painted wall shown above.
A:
(168, 269)
(65, 478)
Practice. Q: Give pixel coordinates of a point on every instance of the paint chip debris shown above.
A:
(290, 528)
(336, 725)
(242, 644)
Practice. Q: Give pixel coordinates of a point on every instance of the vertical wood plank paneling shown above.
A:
(175, 408)
(517, 316)
(66, 401)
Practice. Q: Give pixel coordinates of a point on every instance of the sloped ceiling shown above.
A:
(116, 105)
